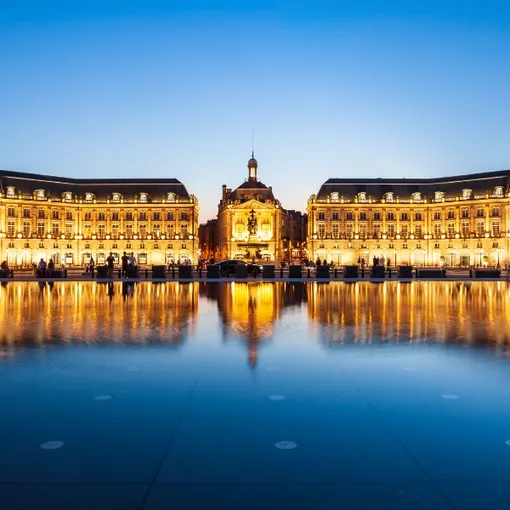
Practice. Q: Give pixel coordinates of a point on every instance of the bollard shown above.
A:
(173, 271)
(65, 273)
(146, 273)
(281, 272)
(362, 272)
(389, 272)
(200, 272)
(119, 272)
(336, 273)
(308, 273)
(12, 273)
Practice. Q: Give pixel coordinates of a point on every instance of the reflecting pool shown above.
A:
(255, 395)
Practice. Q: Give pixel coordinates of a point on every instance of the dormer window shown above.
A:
(40, 194)
(67, 196)
(11, 192)
(498, 191)
(416, 197)
(115, 197)
(334, 196)
(144, 197)
(389, 197)
(438, 196)
(170, 197)
(362, 197)
(466, 194)
(89, 197)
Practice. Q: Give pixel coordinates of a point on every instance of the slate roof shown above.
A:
(27, 183)
(252, 189)
(479, 183)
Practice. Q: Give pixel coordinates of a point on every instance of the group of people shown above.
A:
(128, 265)
(376, 261)
(45, 270)
(5, 269)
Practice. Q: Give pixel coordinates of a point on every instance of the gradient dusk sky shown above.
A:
(330, 89)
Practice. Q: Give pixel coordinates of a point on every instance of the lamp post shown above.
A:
(2, 235)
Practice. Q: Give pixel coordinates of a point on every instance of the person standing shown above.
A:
(110, 262)
(125, 261)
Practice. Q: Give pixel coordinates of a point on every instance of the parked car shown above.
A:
(228, 267)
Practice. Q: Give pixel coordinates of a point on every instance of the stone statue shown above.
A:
(252, 223)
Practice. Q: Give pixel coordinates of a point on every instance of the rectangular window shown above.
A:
(115, 216)
(495, 212)
(437, 215)
(363, 229)
(391, 230)
(101, 230)
(363, 216)
(404, 216)
(69, 229)
(348, 215)
(142, 216)
(390, 216)
(495, 228)
(465, 213)
(11, 228)
(10, 212)
(156, 216)
(40, 214)
(336, 230)
(88, 216)
(377, 230)
(169, 216)
(480, 228)
(54, 229)
(40, 228)
(101, 216)
(322, 231)
(156, 229)
(437, 229)
(115, 230)
(87, 230)
(26, 213)
(377, 216)
(129, 216)
(348, 229)
(69, 215)
(418, 216)
(418, 232)
(451, 229)
(479, 212)
(142, 229)
(465, 228)
(184, 231)
(27, 229)
(129, 230)
(404, 230)
(55, 215)
(451, 214)
(335, 215)
(170, 230)
(184, 216)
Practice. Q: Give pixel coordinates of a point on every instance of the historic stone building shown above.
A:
(251, 222)
(71, 220)
(456, 221)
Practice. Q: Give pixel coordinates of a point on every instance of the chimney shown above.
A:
(224, 192)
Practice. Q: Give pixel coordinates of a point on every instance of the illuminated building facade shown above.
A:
(251, 222)
(453, 221)
(72, 220)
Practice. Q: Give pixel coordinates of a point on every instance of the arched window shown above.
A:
(67, 196)
(438, 196)
(498, 191)
(89, 197)
(416, 197)
(40, 194)
(170, 197)
(389, 197)
(115, 197)
(11, 192)
(362, 197)
(144, 197)
(334, 196)
(466, 194)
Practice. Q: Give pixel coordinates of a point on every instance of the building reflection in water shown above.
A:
(92, 312)
(250, 310)
(464, 312)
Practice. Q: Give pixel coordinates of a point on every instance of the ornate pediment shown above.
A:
(253, 204)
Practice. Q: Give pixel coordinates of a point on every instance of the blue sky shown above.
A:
(330, 89)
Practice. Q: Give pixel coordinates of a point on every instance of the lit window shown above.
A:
(498, 191)
(416, 197)
(389, 197)
(89, 197)
(67, 196)
(362, 197)
(334, 196)
(39, 194)
(466, 194)
(11, 192)
(116, 197)
(170, 197)
(144, 197)
(438, 196)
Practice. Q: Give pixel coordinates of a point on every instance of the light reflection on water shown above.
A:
(332, 314)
